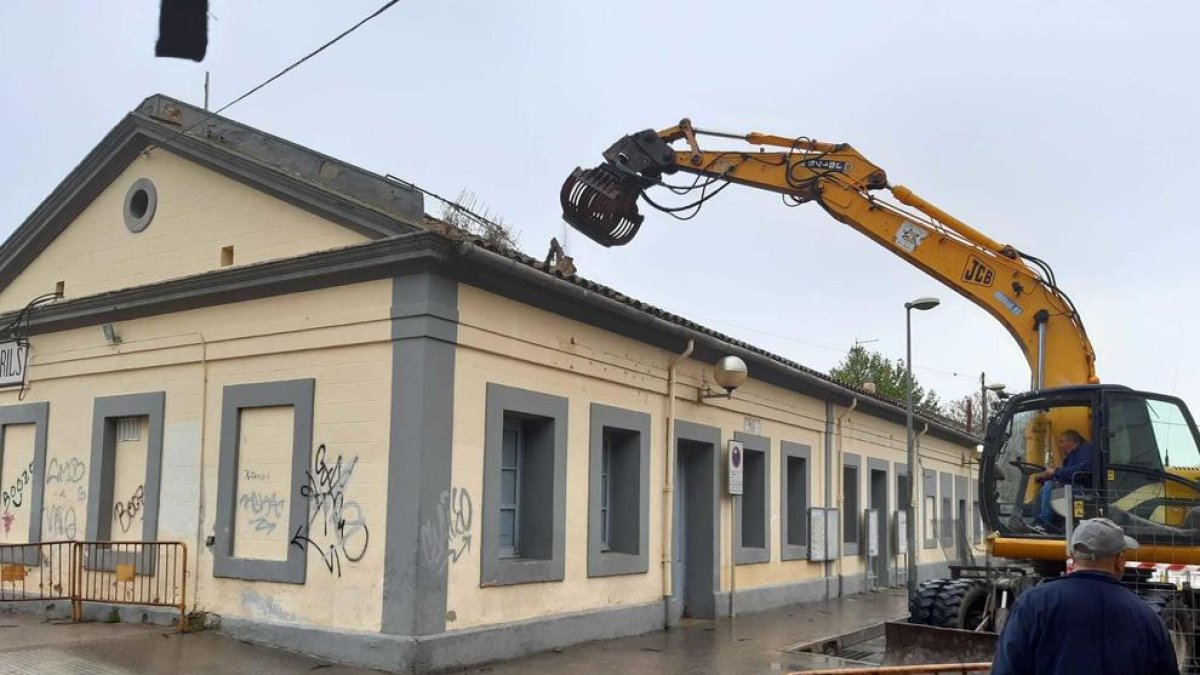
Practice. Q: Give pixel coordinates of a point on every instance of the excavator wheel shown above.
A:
(920, 608)
(960, 603)
(1178, 617)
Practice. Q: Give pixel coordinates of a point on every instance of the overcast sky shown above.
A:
(1066, 129)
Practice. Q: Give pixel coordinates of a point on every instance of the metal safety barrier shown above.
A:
(39, 571)
(143, 573)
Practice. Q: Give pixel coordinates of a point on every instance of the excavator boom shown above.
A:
(1018, 290)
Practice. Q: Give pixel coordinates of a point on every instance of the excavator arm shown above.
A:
(1017, 289)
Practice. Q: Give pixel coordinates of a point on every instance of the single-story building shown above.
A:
(387, 443)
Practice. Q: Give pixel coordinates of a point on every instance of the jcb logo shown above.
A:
(978, 273)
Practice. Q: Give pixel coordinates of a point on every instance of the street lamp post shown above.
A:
(921, 304)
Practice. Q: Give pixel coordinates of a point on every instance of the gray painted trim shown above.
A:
(298, 394)
(385, 259)
(852, 548)
(134, 222)
(946, 483)
(885, 515)
(610, 563)
(929, 489)
(830, 502)
(420, 453)
(787, 450)
(101, 500)
(37, 414)
(100, 484)
(450, 649)
(750, 555)
(764, 598)
(458, 649)
(497, 571)
(701, 433)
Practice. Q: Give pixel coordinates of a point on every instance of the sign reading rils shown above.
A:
(12, 363)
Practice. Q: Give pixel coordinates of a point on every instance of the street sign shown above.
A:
(736, 457)
(12, 363)
(872, 518)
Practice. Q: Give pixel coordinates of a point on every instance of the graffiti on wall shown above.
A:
(14, 495)
(126, 512)
(64, 492)
(343, 531)
(446, 540)
(265, 509)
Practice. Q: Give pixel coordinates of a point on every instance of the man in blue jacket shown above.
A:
(1078, 461)
(1086, 623)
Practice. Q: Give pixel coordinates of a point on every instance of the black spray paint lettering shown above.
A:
(265, 507)
(450, 537)
(65, 471)
(126, 512)
(15, 494)
(325, 489)
(254, 474)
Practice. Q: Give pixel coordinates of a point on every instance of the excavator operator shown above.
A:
(1078, 461)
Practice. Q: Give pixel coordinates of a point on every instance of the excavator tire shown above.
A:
(920, 608)
(959, 603)
(1175, 613)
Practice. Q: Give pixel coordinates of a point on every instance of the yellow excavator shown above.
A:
(1144, 443)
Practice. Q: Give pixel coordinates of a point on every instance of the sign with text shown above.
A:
(737, 455)
(12, 363)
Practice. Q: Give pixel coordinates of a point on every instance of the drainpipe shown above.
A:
(841, 499)
(829, 421)
(669, 483)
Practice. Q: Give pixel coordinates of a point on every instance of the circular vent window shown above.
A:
(140, 202)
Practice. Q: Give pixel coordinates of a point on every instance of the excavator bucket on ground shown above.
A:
(602, 204)
(913, 644)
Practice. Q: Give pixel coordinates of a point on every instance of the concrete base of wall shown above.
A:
(94, 611)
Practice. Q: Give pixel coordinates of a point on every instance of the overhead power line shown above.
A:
(388, 5)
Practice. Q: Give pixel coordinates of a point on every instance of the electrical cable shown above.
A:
(388, 5)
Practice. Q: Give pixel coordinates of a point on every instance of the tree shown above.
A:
(860, 367)
(959, 408)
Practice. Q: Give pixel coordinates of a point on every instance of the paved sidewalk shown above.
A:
(29, 645)
(749, 645)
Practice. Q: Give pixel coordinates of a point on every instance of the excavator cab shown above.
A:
(1139, 441)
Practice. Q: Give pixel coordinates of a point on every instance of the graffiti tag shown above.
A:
(449, 538)
(265, 507)
(66, 471)
(15, 494)
(341, 519)
(125, 512)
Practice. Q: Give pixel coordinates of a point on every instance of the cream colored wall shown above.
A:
(341, 337)
(264, 472)
(509, 343)
(16, 480)
(199, 212)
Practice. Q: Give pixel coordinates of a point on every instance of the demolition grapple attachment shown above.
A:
(602, 202)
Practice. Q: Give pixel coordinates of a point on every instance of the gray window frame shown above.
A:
(945, 530)
(106, 413)
(299, 394)
(496, 570)
(929, 488)
(896, 534)
(977, 515)
(749, 555)
(607, 562)
(852, 517)
(37, 414)
(515, 506)
(789, 450)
